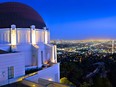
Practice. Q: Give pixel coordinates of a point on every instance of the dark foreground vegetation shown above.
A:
(92, 70)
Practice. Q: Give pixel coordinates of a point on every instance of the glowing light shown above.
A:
(46, 36)
(13, 34)
(50, 79)
(53, 55)
(33, 85)
(13, 37)
(33, 37)
(33, 31)
(46, 62)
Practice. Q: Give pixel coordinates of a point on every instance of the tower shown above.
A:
(112, 46)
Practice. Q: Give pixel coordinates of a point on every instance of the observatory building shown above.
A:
(25, 45)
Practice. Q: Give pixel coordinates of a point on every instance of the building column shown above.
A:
(45, 35)
(33, 35)
(54, 54)
(13, 37)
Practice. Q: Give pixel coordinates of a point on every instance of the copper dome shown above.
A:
(21, 15)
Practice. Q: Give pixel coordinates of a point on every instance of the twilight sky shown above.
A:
(77, 19)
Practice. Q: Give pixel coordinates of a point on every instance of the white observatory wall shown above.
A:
(4, 47)
(11, 59)
(51, 53)
(43, 40)
(5, 36)
(40, 36)
(24, 45)
(40, 55)
(23, 35)
(5, 39)
(52, 73)
(48, 37)
(26, 49)
(35, 55)
(48, 52)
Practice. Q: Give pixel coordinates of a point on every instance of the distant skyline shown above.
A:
(77, 19)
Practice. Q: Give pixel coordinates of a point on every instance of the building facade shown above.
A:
(25, 43)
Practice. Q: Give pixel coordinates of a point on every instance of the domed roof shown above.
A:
(19, 14)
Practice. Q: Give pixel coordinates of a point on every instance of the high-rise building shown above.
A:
(112, 46)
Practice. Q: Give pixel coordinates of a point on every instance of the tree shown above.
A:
(102, 82)
(64, 80)
(85, 84)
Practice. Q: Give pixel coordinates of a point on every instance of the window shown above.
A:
(42, 57)
(10, 72)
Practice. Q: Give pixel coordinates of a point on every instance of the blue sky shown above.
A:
(77, 19)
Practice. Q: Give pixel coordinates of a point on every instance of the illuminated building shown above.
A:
(112, 46)
(25, 44)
